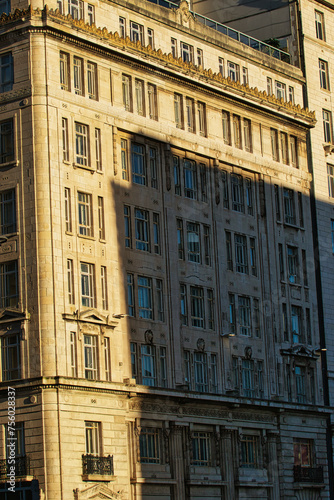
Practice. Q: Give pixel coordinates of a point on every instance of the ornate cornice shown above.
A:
(167, 60)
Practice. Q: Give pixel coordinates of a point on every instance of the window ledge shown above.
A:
(98, 477)
(91, 238)
(294, 226)
(13, 163)
(84, 167)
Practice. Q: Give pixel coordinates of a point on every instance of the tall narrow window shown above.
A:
(237, 131)
(247, 135)
(78, 75)
(193, 242)
(98, 155)
(91, 14)
(122, 27)
(284, 148)
(153, 168)
(174, 47)
(330, 178)
(256, 318)
(197, 306)
(304, 263)
(293, 264)
(145, 302)
(201, 118)
(149, 445)
(249, 196)
(140, 97)
(221, 66)
(291, 95)
(142, 230)
(248, 378)
(300, 374)
(6, 71)
(131, 296)
(160, 300)
(244, 308)
(183, 305)
(6, 141)
(124, 160)
(163, 367)
(73, 354)
(328, 125)
(237, 193)
(201, 371)
(102, 235)
(204, 182)
(241, 261)
(229, 259)
(178, 110)
(232, 315)
(201, 447)
(76, 8)
(187, 52)
(136, 32)
(87, 284)
(300, 210)
(244, 76)
(225, 190)
(106, 348)
(190, 179)
(138, 164)
(319, 25)
(274, 144)
(190, 114)
(252, 255)
(211, 309)
(81, 144)
(92, 80)
(156, 234)
(64, 67)
(226, 127)
(5, 6)
(277, 203)
(289, 206)
(70, 281)
(177, 175)
(104, 288)
(233, 71)
(281, 261)
(150, 37)
(127, 92)
(90, 356)
(280, 90)
(127, 226)
(11, 357)
(269, 86)
(285, 323)
(152, 101)
(293, 151)
(199, 53)
(180, 238)
(64, 130)
(249, 452)
(85, 214)
(207, 245)
(323, 73)
(7, 212)
(68, 217)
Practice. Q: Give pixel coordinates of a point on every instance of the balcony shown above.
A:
(22, 467)
(308, 474)
(96, 468)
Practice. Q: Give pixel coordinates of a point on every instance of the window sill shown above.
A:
(98, 477)
(84, 167)
(294, 226)
(90, 238)
(8, 164)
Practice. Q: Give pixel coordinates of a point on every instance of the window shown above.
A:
(302, 452)
(291, 95)
(201, 372)
(249, 451)
(142, 230)
(81, 144)
(277, 202)
(207, 245)
(150, 37)
(148, 365)
(281, 261)
(85, 214)
(274, 144)
(180, 238)
(92, 80)
(78, 76)
(190, 179)
(106, 347)
(10, 348)
(284, 148)
(203, 181)
(211, 309)
(140, 97)
(104, 289)
(327, 124)
(300, 210)
(177, 175)
(249, 196)
(300, 374)
(247, 135)
(152, 101)
(332, 231)
(241, 261)
(60, 4)
(200, 57)
(87, 284)
(237, 193)
(229, 260)
(91, 14)
(293, 264)
(221, 66)
(6, 72)
(122, 27)
(252, 255)
(149, 445)
(131, 296)
(225, 190)
(201, 119)
(233, 71)
(256, 320)
(160, 303)
(124, 160)
(248, 378)
(174, 47)
(190, 114)
(73, 354)
(269, 86)
(127, 92)
(323, 72)
(64, 127)
(201, 449)
(92, 432)
(138, 164)
(163, 367)
(285, 323)
(226, 127)
(197, 306)
(7, 212)
(330, 178)
(68, 214)
(156, 234)
(5, 6)
(75, 8)
(70, 281)
(319, 25)
(237, 131)
(193, 242)
(289, 206)
(153, 167)
(178, 110)
(9, 290)
(304, 262)
(293, 151)
(64, 68)
(296, 324)
(244, 308)
(136, 32)
(187, 52)
(244, 76)
(280, 90)
(145, 303)
(127, 226)
(6, 141)
(90, 356)
(232, 315)
(183, 303)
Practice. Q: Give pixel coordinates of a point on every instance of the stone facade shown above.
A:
(159, 318)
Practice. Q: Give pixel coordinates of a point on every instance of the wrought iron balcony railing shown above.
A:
(22, 467)
(103, 466)
(308, 474)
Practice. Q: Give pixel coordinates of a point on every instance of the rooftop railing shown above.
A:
(262, 47)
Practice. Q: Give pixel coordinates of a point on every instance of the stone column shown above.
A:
(273, 475)
(177, 445)
(228, 463)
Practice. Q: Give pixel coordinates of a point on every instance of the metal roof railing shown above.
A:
(262, 47)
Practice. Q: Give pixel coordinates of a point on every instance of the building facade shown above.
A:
(159, 311)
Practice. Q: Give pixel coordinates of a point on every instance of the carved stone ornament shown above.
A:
(149, 337)
(201, 345)
(97, 491)
(248, 352)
